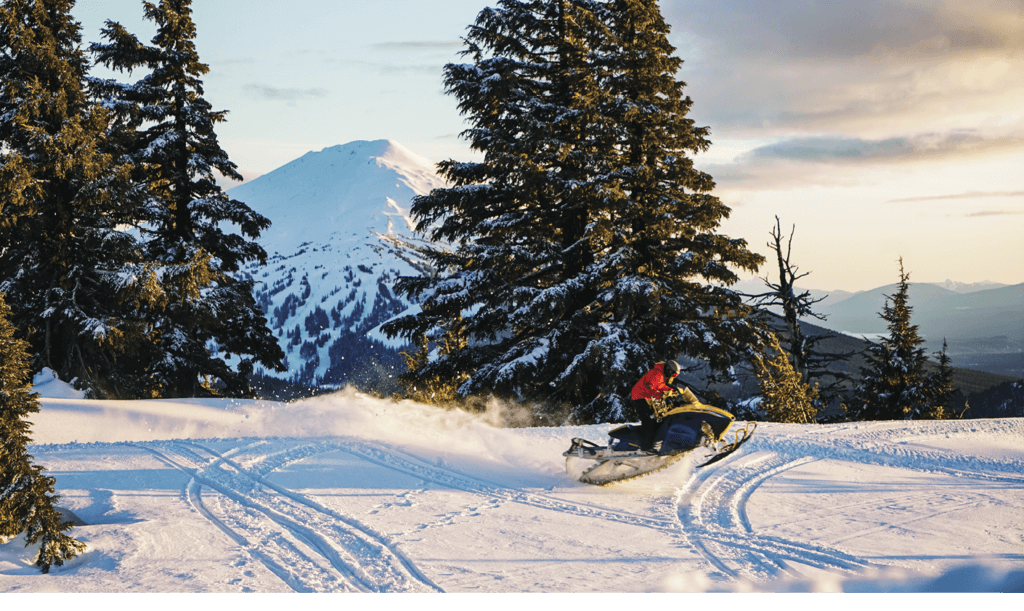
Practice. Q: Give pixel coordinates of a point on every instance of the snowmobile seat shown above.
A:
(625, 439)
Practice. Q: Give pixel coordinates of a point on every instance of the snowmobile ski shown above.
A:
(741, 437)
(682, 430)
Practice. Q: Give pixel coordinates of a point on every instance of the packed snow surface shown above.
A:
(349, 493)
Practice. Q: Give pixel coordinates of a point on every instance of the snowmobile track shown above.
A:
(711, 507)
(711, 510)
(872, 446)
(749, 550)
(291, 574)
(316, 551)
(291, 455)
(421, 468)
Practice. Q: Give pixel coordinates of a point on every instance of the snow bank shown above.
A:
(47, 384)
(974, 577)
(86, 421)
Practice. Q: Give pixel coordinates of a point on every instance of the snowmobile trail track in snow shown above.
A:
(269, 463)
(712, 513)
(746, 549)
(451, 478)
(311, 548)
(712, 506)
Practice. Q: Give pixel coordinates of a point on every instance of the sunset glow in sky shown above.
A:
(880, 128)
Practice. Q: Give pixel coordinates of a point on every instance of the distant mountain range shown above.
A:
(982, 323)
(937, 312)
(964, 287)
(327, 286)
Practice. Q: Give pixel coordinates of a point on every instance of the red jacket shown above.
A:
(652, 385)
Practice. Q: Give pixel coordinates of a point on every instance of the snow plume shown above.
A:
(489, 437)
(67, 418)
(355, 414)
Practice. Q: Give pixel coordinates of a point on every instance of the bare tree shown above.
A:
(807, 361)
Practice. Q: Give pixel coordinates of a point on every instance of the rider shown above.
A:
(648, 397)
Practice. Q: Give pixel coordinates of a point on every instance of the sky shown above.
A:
(879, 129)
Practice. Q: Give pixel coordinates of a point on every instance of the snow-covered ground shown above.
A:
(347, 493)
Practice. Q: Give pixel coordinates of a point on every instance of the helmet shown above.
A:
(671, 368)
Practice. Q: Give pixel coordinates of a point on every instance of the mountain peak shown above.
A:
(390, 152)
(352, 188)
(969, 287)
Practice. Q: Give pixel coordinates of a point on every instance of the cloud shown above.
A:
(286, 94)
(797, 29)
(995, 213)
(418, 45)
(418, 57)
(967, 195)
(867, 66)
(843, 160)
(839, 149)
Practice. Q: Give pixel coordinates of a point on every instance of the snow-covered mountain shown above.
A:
(969, 287)
(325, 287)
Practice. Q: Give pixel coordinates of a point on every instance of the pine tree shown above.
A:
(894, 384)
(666, 268)
(584, 244)
(27, 499)
(73, 278)
(785, 395)
(941, 389)
(166, 128)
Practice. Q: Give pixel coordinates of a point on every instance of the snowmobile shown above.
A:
(683, 429)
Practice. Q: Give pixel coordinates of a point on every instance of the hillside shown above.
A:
(938, 312)
(978, 388)
(983, 323)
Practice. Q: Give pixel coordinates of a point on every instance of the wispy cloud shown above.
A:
(418, 45)
(797, 29)
(286, 94)
(967, 195)
(840, 160)
(995, 213)
(839, 149)
(873, 67)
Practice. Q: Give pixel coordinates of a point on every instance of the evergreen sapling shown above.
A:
(27, 499)
(894, 383)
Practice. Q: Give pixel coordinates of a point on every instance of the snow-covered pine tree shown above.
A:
(894, 384)
(664, 267)
(941, 390)
(584, 244)
(516, 219)
(73, 280)
(166, 128)
(27, 499)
